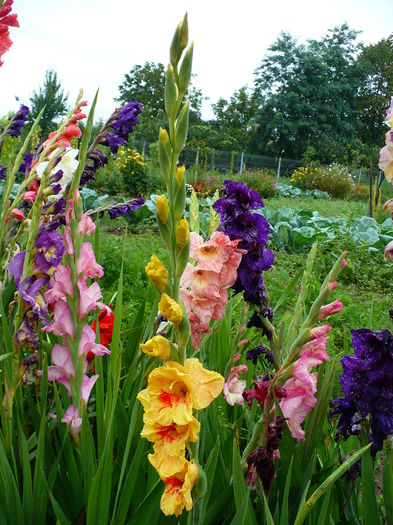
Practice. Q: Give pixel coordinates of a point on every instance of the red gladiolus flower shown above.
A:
(6, 20)
(105, 326)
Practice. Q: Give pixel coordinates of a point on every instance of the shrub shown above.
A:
(260, 181)
(334, 179)
(133, 170)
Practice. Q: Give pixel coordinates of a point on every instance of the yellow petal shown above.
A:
(205, 385)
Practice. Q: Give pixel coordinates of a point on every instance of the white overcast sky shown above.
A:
(93, 43)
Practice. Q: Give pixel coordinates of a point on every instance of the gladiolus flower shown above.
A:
(87, 264)
(330, 309)
(234, 387)
(17, 214)
(389, 251)
(386, 157)
(162, 208)
(182, 233)
(177, 493)
(158, 347)
(332, 285)
(6, 20)
(170, 309)
(72, 416)
(157, 273)
(105, 326)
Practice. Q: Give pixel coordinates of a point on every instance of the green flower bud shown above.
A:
(180, 193)
(164, 154)
(183, 329)
(200, 486)
(171, 93)
(183, 33)
(182, 246)
(185, 69)
(181, 127)
(194, 212)
(175, 52)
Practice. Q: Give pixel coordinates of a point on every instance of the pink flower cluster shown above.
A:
(85, 299)
(204, 287)
(302, 386)
(71, 131)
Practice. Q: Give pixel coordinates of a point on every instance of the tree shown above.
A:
(376, 61)
(146, 84)
(308, 96)
(234, 119)
(52, 95)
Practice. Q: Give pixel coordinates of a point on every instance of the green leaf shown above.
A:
(239, 486)
(388, 487)
(194, 212)
(306, 506)
(268, 514)
(369, 499)
(289, 290)
(284, 516)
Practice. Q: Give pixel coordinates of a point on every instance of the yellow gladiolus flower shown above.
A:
(162, 208)
(157, 273)
(167, 398)
(165, 464)
(172, 436)
(182, 233)
(180, 174)
(205, 385)
(170, 309)
(157, 346)
(177, 493)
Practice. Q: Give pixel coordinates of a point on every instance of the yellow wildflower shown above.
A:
(182, 233)
(170, 309)
(162, 208)
(157, 346)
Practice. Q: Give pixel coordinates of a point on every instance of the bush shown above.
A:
(334, 179)
(260, 181)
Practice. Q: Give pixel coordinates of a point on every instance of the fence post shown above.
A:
(278, 168)
(371, 207)
(241, 163)
(360, 175)
(196, 164)
(143, 150)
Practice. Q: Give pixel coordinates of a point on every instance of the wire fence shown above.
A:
(207, 159)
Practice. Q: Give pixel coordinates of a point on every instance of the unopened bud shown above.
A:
(162, 208)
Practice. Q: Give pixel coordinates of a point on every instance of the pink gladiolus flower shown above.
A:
(86, 226)
(62, 324)
(344, 264)
(72, 416)
(389, 251)
(301, 388)
(88, 298)
(330, 309)
(204, 286)
(63, 367)
(62, 285)
(86, 264)
(234, 387)
(88, 343)
(386, 157)
(87, 385)
(319, 331)
(332, 285)
(17, 214)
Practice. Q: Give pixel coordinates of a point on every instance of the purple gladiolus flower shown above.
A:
(3, 170)
(17, 122)
(127, 207)
(123, 126)
(254, 353)
(15, 267)
(367, 383)
(238, 222)
(25, 167)
(96, 160)
(50, 250)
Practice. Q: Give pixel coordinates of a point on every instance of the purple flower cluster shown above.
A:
(25, 167)
(117, 210)
(17, 121)
(48, 251)
(238, 222)
(95, 160)
(125, 121)
(367, 383)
